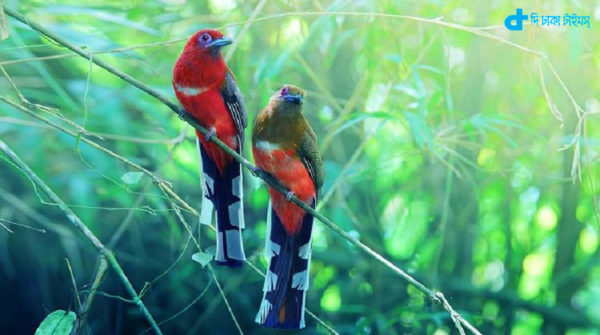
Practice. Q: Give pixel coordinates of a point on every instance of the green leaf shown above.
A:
(202, 258)
(420, 131)
(132, 178)
(58, 322)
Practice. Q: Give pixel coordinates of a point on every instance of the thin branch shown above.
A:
(350, 163)
(5, 227)
(316, 78)
(74, 283)
(106, 136)
(30, 213)
(149, 284)
(16, 224)
(87, 233)
(261, 174)
(348, 107)
(107, 51)
(186, 308)
(244, 30)
(98, 277)
(235, 321)
(558, 313)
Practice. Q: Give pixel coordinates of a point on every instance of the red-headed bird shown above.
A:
(207, 90)
(285, 146)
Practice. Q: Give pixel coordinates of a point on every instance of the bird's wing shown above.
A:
(311, 158)
(234, 101)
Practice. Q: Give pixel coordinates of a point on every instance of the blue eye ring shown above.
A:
(285, 90)
(204, 39)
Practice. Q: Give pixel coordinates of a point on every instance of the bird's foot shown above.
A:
(210, 134)
(289, 195)
(255, 170)
(182, 112)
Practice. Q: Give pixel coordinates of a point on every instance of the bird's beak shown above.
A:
(220, 42)
(295, 98)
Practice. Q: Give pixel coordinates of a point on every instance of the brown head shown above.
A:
(282, 119)
(289, 96)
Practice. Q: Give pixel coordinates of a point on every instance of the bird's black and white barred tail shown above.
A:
(287, 278)
(223, 195)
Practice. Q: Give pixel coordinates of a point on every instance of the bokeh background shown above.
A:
(469, 162)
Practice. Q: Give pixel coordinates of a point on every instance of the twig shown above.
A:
(74, 283)
(108, 51)
(235, 321)
(98, 277)
(565, 315)
(261, 174)
(338, 181)
(244, 30)
(87, 233)
(29, 212)
(5, 227)
(456, 318)
(16, 224)
(149, 284)
(116, 236)
(174, 316)
(348, 107)
(106, 136)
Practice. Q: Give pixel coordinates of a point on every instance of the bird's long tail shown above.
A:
(223, 194)
(287, 278)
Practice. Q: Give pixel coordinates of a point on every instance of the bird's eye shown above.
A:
(205, 38)
(284, 90)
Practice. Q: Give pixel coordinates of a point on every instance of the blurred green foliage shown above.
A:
(441, 150)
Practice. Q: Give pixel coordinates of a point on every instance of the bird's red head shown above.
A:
(207, 41)
(201, 63)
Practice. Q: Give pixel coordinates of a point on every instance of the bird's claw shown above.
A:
(289, 195)
(182, 112)
(210, 134)
(255, 170)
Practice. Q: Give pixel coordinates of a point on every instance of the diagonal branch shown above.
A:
(436, 297)
(89, 235)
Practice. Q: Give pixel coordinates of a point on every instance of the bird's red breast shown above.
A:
(286, 166)
(209, 110)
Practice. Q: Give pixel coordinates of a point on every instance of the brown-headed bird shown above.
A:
(285, 146)
(207, 90)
